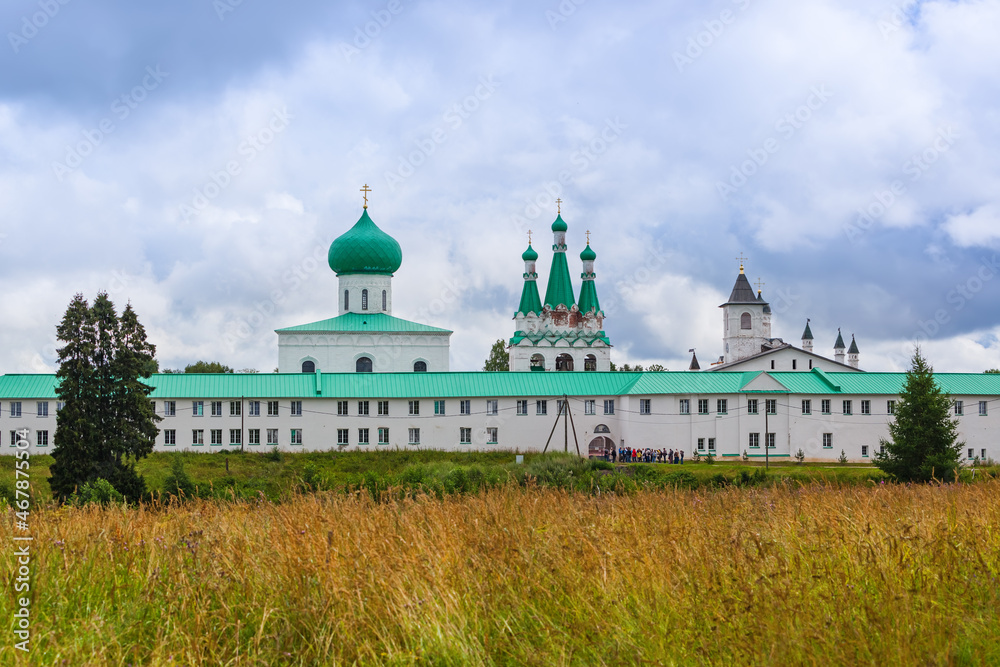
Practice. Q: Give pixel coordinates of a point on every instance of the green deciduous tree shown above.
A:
(207, 367)
(499, 359)
(107, 421)
(922, 439)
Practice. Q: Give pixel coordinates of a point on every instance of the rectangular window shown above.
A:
(13, 438)
(491, 435)
(609, 406)
(685, 406)
(363, 408)
(751, 406)
(754, 440)
(771, 405)
(807, 406)
(866, 407)
(43, 408)
(795, 364)
(253, 436)
(864, 451)
(272, 408)
(198, 437)
(197, 408)
(216, 408)
(982, 408)
(235, 436)
(414, 408)
(890, 407)
(296, 408)
(983, 456)
(825, 406)
(235, 408)
(414, 436)
(15, 408)
(59, 405)
(272, 436)
(439, 407)
(828, 441)
(541, 407)
(522, 407)
(465, 407)
(341, 408)
(711, 444)
(560, 406)
(296, 438)
(702, 406)
(959, 408)
(772, 364)
(770, 440)
(383, 408)
(701, 444)
(253, 409)
(169, 408)
(722, 406)
(590, 407)
(491, 406)
(42, 438)
(383, 435)
(465, 436)
(343, 436)
(972, 453)
(362, 436)
(216, 436)
(645, 406)
(847, 408)
(169, 437)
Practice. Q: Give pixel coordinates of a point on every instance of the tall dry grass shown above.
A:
(814, 575)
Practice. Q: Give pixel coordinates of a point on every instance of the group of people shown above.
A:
(630, 455)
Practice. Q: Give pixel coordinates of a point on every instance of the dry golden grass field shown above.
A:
(787, 575)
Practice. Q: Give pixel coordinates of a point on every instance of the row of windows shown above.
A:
(41, 437)
(41, 408)
(295, 437)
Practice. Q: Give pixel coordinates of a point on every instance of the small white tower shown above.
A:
(746, 321)
(807, 338)
(852, 354)
(838, 348)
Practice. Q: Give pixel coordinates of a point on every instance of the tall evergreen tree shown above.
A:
(107, 422)
(922, 437)
(499, 359)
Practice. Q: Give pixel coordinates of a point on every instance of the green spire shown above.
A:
(839, 345)
(559, 291)
(854, 346)
(807, 334)
(588, 297)
(530, 303)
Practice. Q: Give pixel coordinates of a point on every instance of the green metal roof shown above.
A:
(530, 301)
(364, 322)
(588, 297)
(559, 291)
(365, 248)
(483, 384)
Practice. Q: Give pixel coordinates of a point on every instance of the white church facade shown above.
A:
(366, 379)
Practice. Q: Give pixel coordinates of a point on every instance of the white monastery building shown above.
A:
(366, 379)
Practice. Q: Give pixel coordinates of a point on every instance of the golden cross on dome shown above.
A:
(742, 259)
(760, 284)
(558, 206)
(529, 237)
(588, 237)
(366, 190)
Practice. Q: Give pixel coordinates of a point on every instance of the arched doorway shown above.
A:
(601, 442)
(590, 363)
(363, 365)
(308, 366)
(564, 362)
(538, 361)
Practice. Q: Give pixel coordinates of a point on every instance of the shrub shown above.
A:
(311, 480)
(709, 458)
(274, 455)
(98, 492)
(800, 456)
(177, 482)
(842, 458)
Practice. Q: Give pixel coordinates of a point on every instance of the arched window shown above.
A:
(419, 366)
(364, 299)
(564, 362)
(745, 321)
(364, 365)
(537, 361)
(308, 367)
(601, 428)
(347, 300)
(384, 299)
(590, 363)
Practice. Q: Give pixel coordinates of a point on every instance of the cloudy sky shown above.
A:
(197, 158)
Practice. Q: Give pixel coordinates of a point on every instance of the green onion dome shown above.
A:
(365, 248)
(559, 225)
(529, 255)
(588, 255)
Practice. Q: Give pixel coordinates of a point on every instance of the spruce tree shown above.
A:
(107, 422)
(499, 359)
(922, 443)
